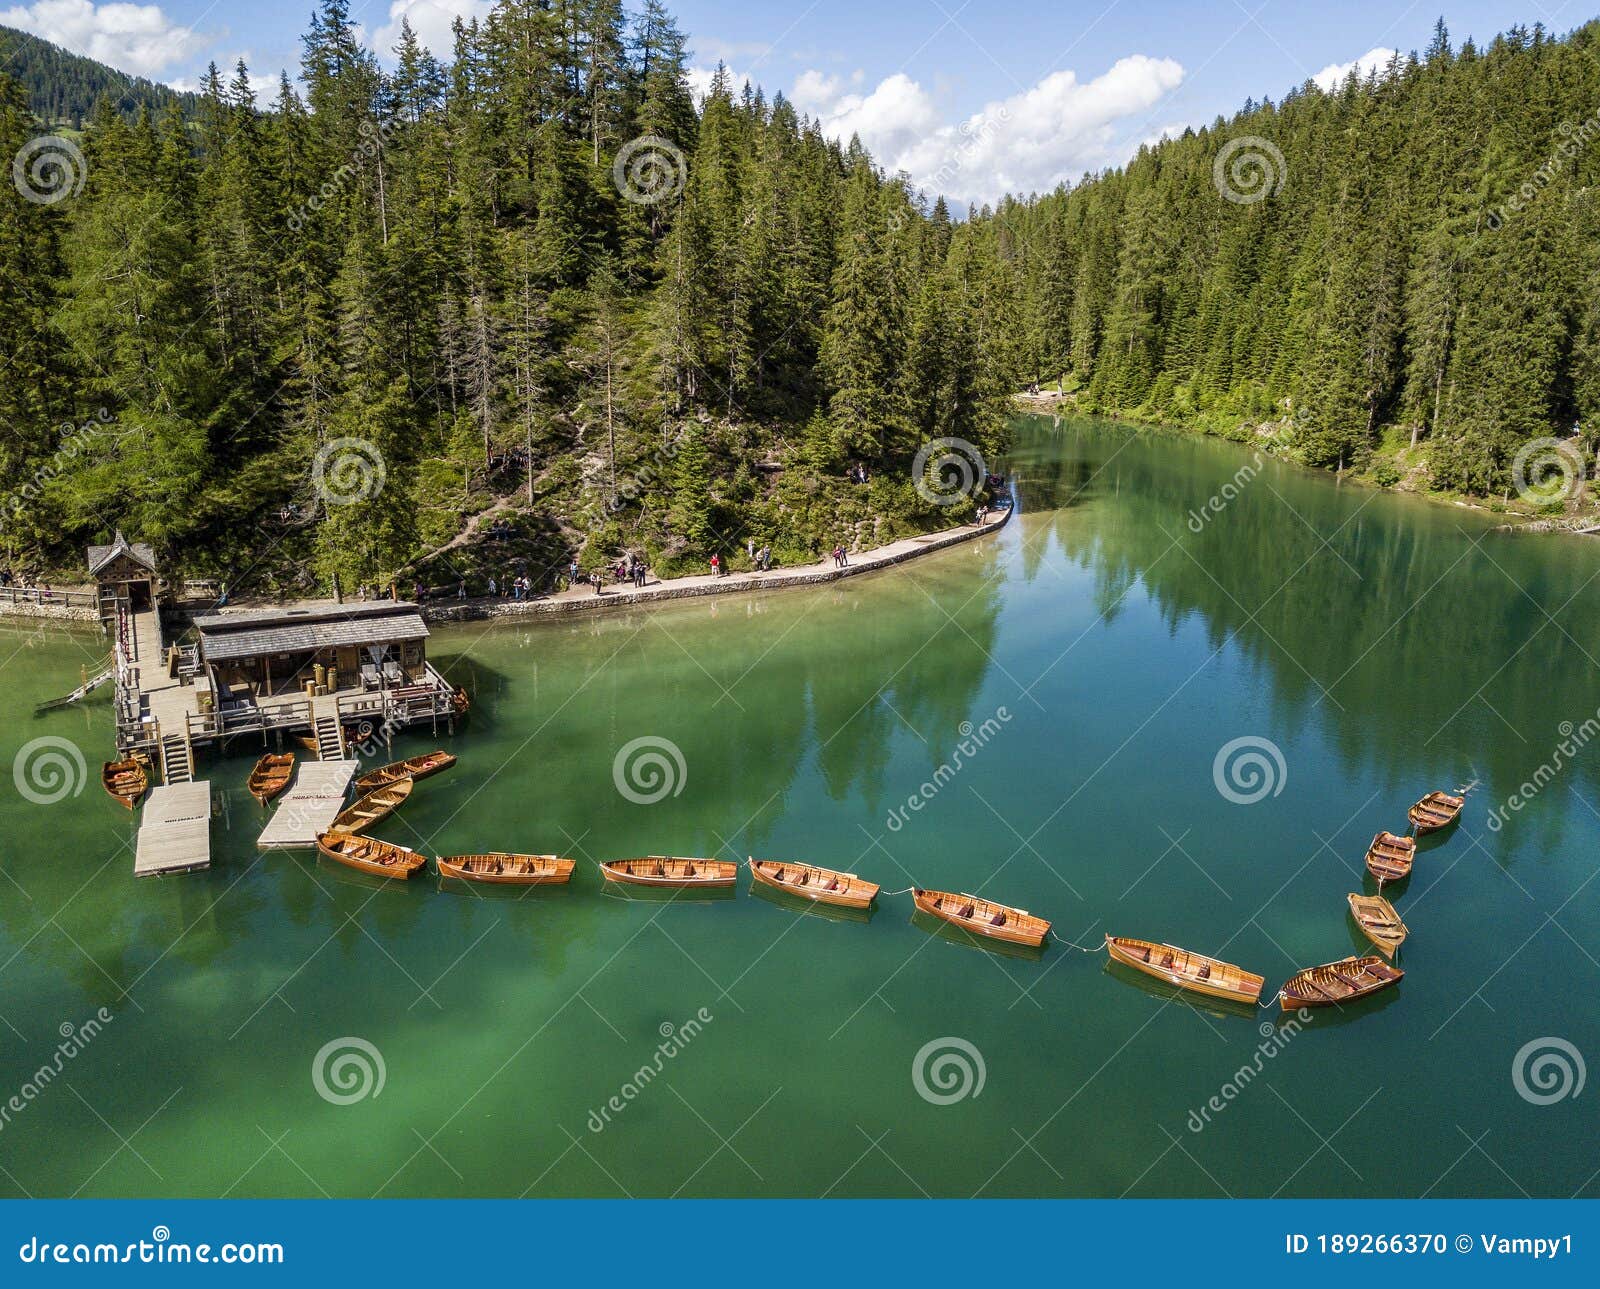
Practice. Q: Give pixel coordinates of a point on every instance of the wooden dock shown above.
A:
(174, 830)
(308, 808)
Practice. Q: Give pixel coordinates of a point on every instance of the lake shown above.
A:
(1037, 717)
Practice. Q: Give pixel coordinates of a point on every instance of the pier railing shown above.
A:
(37, 595)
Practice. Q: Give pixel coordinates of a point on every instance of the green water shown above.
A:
(1384, 646)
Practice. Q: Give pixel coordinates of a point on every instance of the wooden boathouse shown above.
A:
(331, 673)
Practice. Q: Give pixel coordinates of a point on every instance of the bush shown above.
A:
(1386, 475)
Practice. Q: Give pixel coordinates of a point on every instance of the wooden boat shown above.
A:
(1377, 918)
(270, 775)
(381, 858)
(807, 881)
(507, 869)
(126, 780)
(670, 870)
(415, 767)
(1389, 857)
(367, 810)
(982, 917)
(1187, 970)
(1435, 811)
(1337, 982)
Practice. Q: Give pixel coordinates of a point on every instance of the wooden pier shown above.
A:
(174, 831)
(309, 807)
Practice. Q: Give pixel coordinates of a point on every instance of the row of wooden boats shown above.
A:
(1329, 984)
(1389, 859)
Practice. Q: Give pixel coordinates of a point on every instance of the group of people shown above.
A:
(519, 587)
(7, 579)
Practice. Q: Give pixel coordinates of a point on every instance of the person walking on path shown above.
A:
(461, 589)
(716, 565)
(598, 582)
(494, 587)
(750, 548)
(844, 557)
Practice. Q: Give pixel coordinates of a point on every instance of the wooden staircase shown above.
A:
(330, 737)
(177, 758)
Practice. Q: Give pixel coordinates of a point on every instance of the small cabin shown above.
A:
(310, 649)
(124, 571)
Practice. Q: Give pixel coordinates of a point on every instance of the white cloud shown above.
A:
(1029, 142)
(1332, 76)
(431, 20)
(136, 38)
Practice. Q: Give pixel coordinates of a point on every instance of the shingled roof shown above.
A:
(139, 552)
(306, 636)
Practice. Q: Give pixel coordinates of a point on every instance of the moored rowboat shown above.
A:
(670, 870)
(416, 767)
(1337, 982)
(982, 917)
(507, 869)
(270, 775)
(1377, 918)
(1390, 856)
(1435, 811)
(367, 810)
(126, 780)
(369, 855)
(1187, 970)
(824, 885)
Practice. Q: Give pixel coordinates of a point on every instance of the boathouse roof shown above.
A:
(304, 628)
(140, 552)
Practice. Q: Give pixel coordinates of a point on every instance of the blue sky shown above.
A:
(973, 99)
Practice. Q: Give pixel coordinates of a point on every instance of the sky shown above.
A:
(972, 98)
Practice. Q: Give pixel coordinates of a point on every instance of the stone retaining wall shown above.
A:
(60, 612)
(732, 584)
